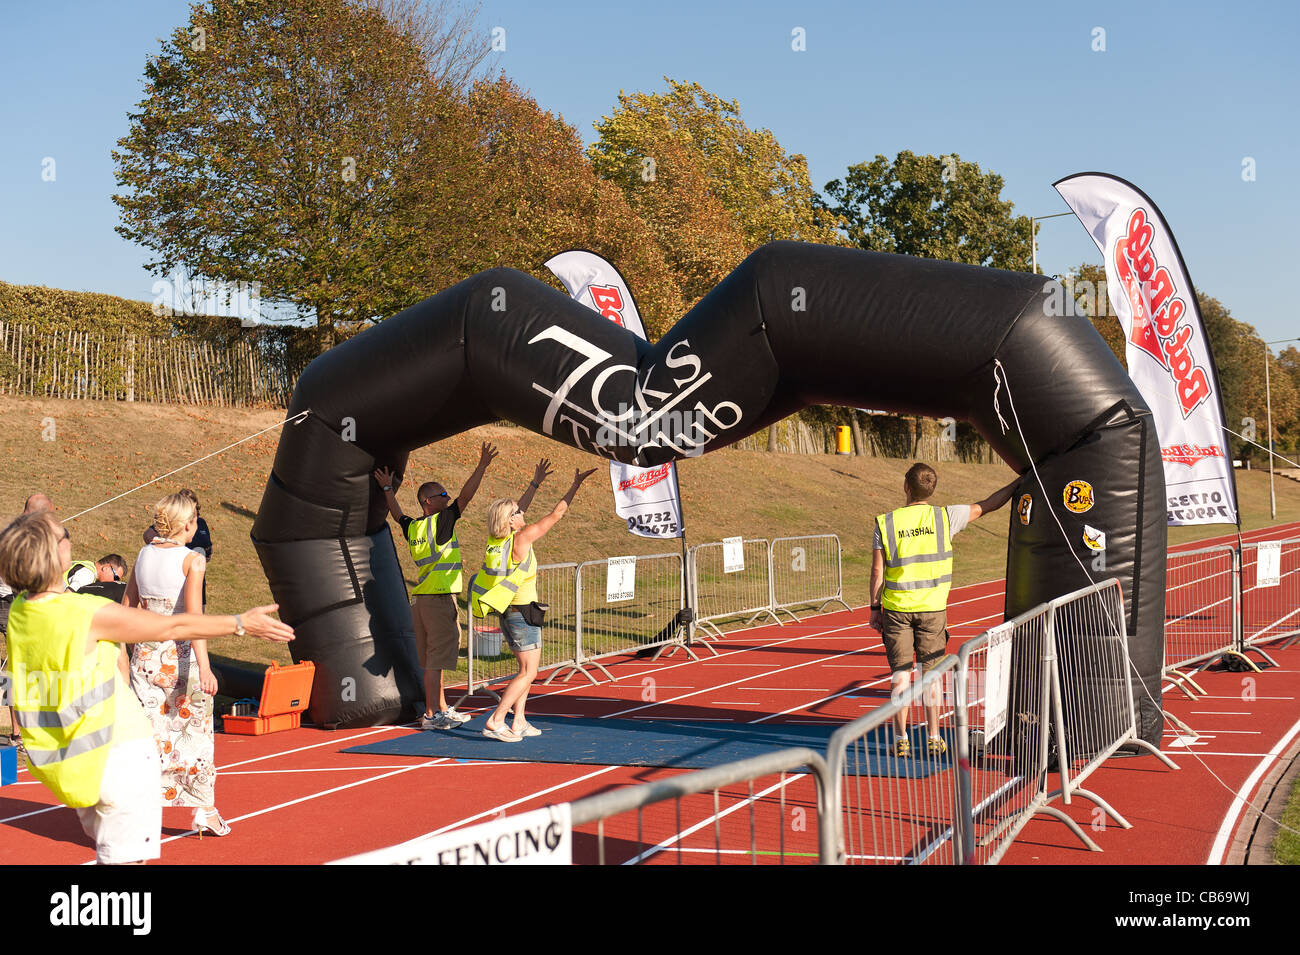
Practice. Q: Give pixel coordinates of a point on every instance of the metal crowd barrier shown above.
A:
(805, 571)
(1003, 750)
(615, 625)
(1053, 683)
(1201, 609)
(1270, 613)
(889, 809)
(1092, 688)
(490, 659)
(719, 596)
(791, 830)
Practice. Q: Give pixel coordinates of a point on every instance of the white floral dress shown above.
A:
(165, 676)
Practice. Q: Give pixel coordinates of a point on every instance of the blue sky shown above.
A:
(1182, 94)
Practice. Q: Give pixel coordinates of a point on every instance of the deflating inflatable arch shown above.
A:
(794, 325)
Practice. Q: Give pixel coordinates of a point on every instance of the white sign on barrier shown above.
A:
(620, 579)
(997, 681)
(733, 554)
(1268, 564)
(541, 837)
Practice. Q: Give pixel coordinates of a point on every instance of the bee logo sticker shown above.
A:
(1078, 496)
(1025, 509)
(1094, 539)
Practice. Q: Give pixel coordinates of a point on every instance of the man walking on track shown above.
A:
(436, 552)
(911, 574)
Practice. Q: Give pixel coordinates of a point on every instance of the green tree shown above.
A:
(1288, 436)
(1087, 286)
(711, 188)
(1240, 353)
(937, 207)
(304, 145)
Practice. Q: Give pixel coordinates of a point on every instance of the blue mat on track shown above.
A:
(683, 744)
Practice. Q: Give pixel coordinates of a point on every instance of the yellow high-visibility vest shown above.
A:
(918, 558)
(71, 707)
(77, 565)
(440, 571)
(502, 582)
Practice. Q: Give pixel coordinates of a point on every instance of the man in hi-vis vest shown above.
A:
(436, 552)
(911, 574)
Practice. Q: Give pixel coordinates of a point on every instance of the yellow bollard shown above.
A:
(843, 440)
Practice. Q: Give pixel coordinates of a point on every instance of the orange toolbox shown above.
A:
(286, 691)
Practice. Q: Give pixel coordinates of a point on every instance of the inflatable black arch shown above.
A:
(794, 325)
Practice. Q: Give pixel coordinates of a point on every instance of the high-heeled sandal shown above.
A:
(211, 821)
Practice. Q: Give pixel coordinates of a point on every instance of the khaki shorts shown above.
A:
(920, 635)
(126, 823)
(437, 630)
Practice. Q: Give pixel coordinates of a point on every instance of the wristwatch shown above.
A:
(388, 487)
(239, 626)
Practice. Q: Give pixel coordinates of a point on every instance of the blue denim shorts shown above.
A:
(520, 634)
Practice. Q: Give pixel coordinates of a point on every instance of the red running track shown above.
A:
(296, 798)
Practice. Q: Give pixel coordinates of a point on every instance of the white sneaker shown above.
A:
(455, 717)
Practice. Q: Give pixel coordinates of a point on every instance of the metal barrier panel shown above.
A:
(1199, 596)
(1002, 749)
(890, 809)
(490, 659)
(616, 623)
(721, 597)
(806, 572)
(1272, 612)
(1094, 706)
(771, 809)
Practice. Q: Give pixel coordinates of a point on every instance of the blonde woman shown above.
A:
(507, 585)
(173, 679)
(87, 738)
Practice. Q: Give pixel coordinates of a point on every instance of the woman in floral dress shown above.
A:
(173, 679)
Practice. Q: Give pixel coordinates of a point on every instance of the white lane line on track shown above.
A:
(1202, 752)
(300, 749)
(667, 843)
(1239, 800)
(501, 808)
(777, 689)
(34, 812)
(453, 764)
(805, 706)
(300, 799)
(684, 696)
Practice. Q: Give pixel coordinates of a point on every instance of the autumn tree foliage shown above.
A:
(710, 188)
(535, 194)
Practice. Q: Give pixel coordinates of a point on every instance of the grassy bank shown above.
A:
(83, 453)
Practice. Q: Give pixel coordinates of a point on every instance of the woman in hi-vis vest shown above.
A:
(507, 585)
(86, 734)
